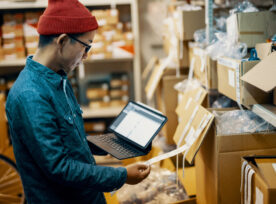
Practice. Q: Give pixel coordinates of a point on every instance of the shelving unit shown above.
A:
(132, 65)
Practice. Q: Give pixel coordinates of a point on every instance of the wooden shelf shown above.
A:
(7, 5)
(101, 112)
(21, 62)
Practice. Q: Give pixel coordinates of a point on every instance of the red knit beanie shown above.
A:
(66, 16)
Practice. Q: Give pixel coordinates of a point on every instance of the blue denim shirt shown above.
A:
(52, 155)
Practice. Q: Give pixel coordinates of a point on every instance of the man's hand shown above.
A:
(136, 173)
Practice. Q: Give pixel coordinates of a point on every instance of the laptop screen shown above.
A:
(138, 123)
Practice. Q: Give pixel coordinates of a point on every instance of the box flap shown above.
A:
(267, 168)
(198, 95)
(192, 128)
(263, 74)
(263, 49)
(150, 66)
(154, 80)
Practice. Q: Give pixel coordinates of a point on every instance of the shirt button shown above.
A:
(74, 115)
(69, 118)
(84, 140)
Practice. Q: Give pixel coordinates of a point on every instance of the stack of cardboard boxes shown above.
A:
(13, 36)
(248, 82)
(114, 39)
(110, 91)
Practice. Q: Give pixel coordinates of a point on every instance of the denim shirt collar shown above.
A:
(51, 76)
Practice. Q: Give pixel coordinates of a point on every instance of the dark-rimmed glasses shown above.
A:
(87, 47)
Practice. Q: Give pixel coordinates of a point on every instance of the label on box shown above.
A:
(113, 12)
(190, 137)
(228, 63)
(259, 196)
(8, 35)
(188, 103)
(231, 78)
(274, 166)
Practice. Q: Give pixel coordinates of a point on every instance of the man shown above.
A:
(46, 126)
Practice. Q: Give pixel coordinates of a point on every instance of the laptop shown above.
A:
(131, 132)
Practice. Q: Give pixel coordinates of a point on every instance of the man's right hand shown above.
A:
(136, 173)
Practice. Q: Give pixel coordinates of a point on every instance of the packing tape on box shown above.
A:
(247, 168)
(250, 175)
(199, 93)
(167, 155)
(184, 148)
(187, 126)
(242, 174)
(234, 65)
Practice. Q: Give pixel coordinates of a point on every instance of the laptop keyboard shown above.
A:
(120, 145)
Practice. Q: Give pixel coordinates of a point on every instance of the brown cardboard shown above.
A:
(199, 113)
(263, 49)
(188, 22)
(204, 67)
(198, 95)
(263, 74)
(167, 102)
(154, 80)
(252, 27)
(189, 180)
(263, 184)
(218, 166)
(228, 70)
(151, 64)
(4, 139)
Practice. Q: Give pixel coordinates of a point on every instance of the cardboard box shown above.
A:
(179, 47)
(230, 84)
(258, 180)
(251, 27)
(198, 95)
(192, 129)
(263, 49)
(218, 163)
(205, 69)
(4, 139)
(187, 22)
(91, 126)
(263, 74)
(166, 97)
(12, 31)
(95, 93)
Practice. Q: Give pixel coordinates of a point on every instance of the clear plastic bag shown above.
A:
(223, 102)
(226, 47)
(187, 85)
(240, 121)
(244, 7)
(159, 187)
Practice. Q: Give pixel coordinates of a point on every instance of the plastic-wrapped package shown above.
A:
(159, 187)
(239, 122)
(189, 7)
(225, 47)
(244, 7)
(187, 85)
(221, 23)
(223, 102)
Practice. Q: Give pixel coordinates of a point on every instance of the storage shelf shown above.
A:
(43, 3)
(21, 62)
(101, 112)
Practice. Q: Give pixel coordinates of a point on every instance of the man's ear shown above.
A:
(61, 41)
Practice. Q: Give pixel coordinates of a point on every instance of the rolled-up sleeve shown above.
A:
(36, 123)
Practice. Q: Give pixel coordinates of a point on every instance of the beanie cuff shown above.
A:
(51, 25)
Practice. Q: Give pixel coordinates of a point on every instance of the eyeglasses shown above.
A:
(87, 47)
